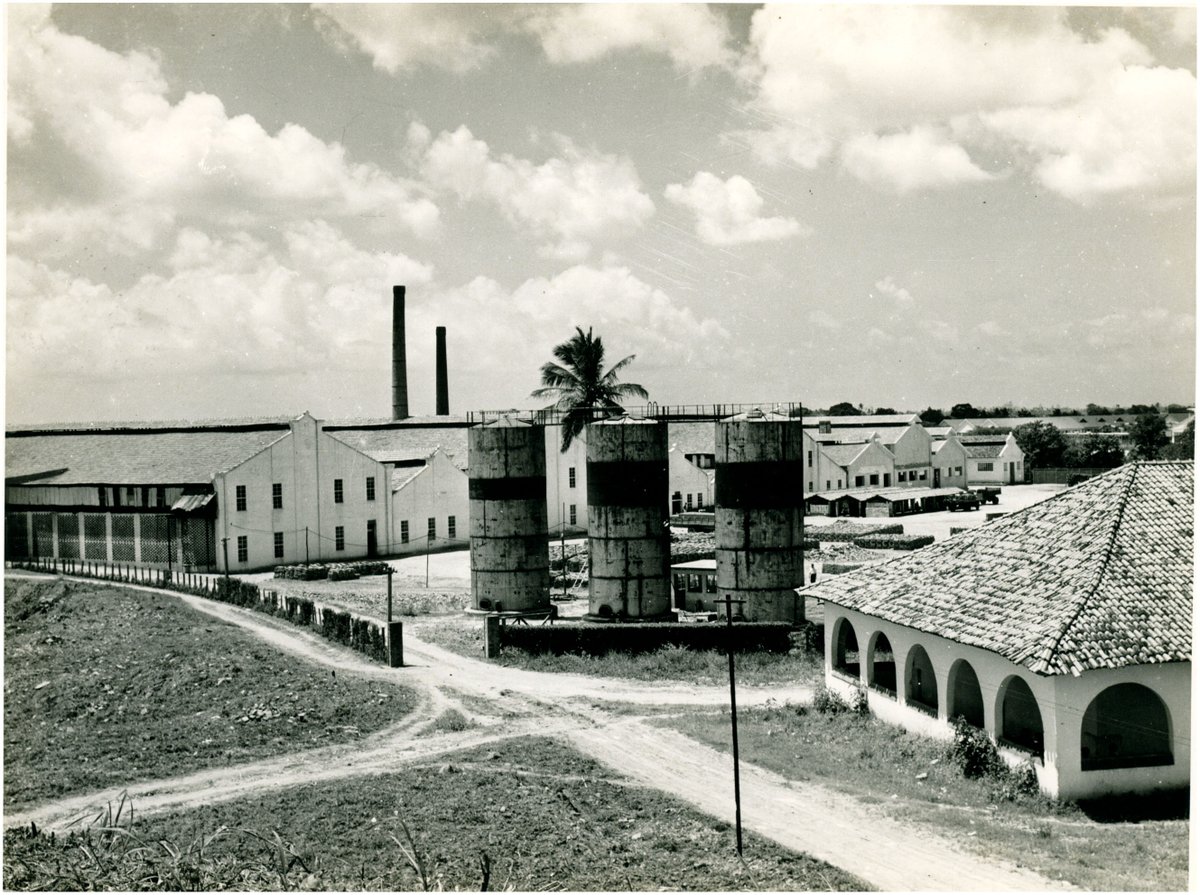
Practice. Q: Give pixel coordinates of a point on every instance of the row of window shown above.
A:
(240, 501)
(430, 529)
(681, 501)
(117, 496)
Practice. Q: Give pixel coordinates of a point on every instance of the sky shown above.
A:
(900, 206)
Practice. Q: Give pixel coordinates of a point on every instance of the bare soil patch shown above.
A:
(107, 686)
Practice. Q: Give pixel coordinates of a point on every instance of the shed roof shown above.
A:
(1099, 576)
(133, 458)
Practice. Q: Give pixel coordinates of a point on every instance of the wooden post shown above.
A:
(395, 644)
(737, 786)
(491, 636)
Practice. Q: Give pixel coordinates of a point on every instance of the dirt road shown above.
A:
(505, 703)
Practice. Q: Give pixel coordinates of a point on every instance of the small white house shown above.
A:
(1063, 630)
(993, 459)
(429, 506)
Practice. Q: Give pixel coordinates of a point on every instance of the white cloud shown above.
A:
(692, 35)
(146, 159)
(728, 212)
(406, 35)
(461, 37)
(569, 202)
(992, 329)
(1088, 116)
(890, 288)
(917, 159)
(940, 331)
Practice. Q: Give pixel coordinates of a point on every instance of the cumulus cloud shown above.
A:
(890, 288)
(220, 303)
(729, 212)
(464, 37)
(568, 202)
(145, 158)
(917, 159)
(888, 90)
(692, 35)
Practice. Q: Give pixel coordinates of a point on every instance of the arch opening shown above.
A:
(964, 697)
(1125, 726)
(920, 684)
(845, 649)
(881, 666)
(1020, 719)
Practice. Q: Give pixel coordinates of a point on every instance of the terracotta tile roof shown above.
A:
(1099, 576)
(133, 458)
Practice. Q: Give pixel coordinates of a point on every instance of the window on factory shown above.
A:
(810, 458)
(431, 528)
(858, 481)
(116, 495)
(571, 477)
(958, 470)
(339, 537)
(103, 496)
(277, 495)
(279, 545)
(130, 496)
(985, 466)
(145, 496)
(688, 503)
(370, 487)
(699, 501)
(337, 490)
(403, 531)
(574, 517)
(827, 484)
(451, 527)
(874, 478)
(160, 497)
(243, 548)
(924, 474)
(887, 479)
(239, 499)
(902, 476)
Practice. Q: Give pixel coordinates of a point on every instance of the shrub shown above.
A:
(974, 752)
(893, 541)
(827, 702)
(860, 705)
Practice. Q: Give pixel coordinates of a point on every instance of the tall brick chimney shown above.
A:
(443, 388)
(399, 359)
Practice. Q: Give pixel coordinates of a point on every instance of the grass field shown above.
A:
(105, 686)
(912, 777)
(368, 596)
(465, 637)
(537, 815)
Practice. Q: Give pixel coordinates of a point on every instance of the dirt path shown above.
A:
(804, 817)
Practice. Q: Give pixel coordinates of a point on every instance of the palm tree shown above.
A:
(581, 386)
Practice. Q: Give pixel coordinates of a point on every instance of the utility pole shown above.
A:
(562, 534)
(225, 549)
(737, 784)
(390, 572)
(306, 545)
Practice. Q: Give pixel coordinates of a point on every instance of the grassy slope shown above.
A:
(880, 763)
(545, 816)
(105, 686)
(465, 637)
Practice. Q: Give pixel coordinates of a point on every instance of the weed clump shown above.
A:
(977, 757)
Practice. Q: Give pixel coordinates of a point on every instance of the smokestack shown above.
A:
(399, 361)
(443, 388)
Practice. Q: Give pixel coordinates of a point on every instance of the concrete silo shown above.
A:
(760, 514)
(629, 540)
(510, 552)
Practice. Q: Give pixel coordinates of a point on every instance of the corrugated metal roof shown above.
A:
(405, 443)
(890, 493)
(191, 502)
(886, 419)
(1099, 576)
(134, 458)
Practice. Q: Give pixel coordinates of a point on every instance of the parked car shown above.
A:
(989, 495)
(964, 500)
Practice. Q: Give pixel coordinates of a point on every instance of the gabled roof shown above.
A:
(844, 454)
(983, 451)
(1099, 576)
(405, 443)
(873, 420)
(133, 458)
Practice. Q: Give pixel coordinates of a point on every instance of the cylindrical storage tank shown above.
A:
(510, 547)
(629, 538)
(760, 514)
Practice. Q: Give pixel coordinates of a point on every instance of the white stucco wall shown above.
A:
(437, 490)
(560, 495)
(1061, 701)
(687, 478)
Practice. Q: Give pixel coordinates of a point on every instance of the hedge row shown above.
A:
(338, 571)
(645, 637)
(894, 541)
(852, 531)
